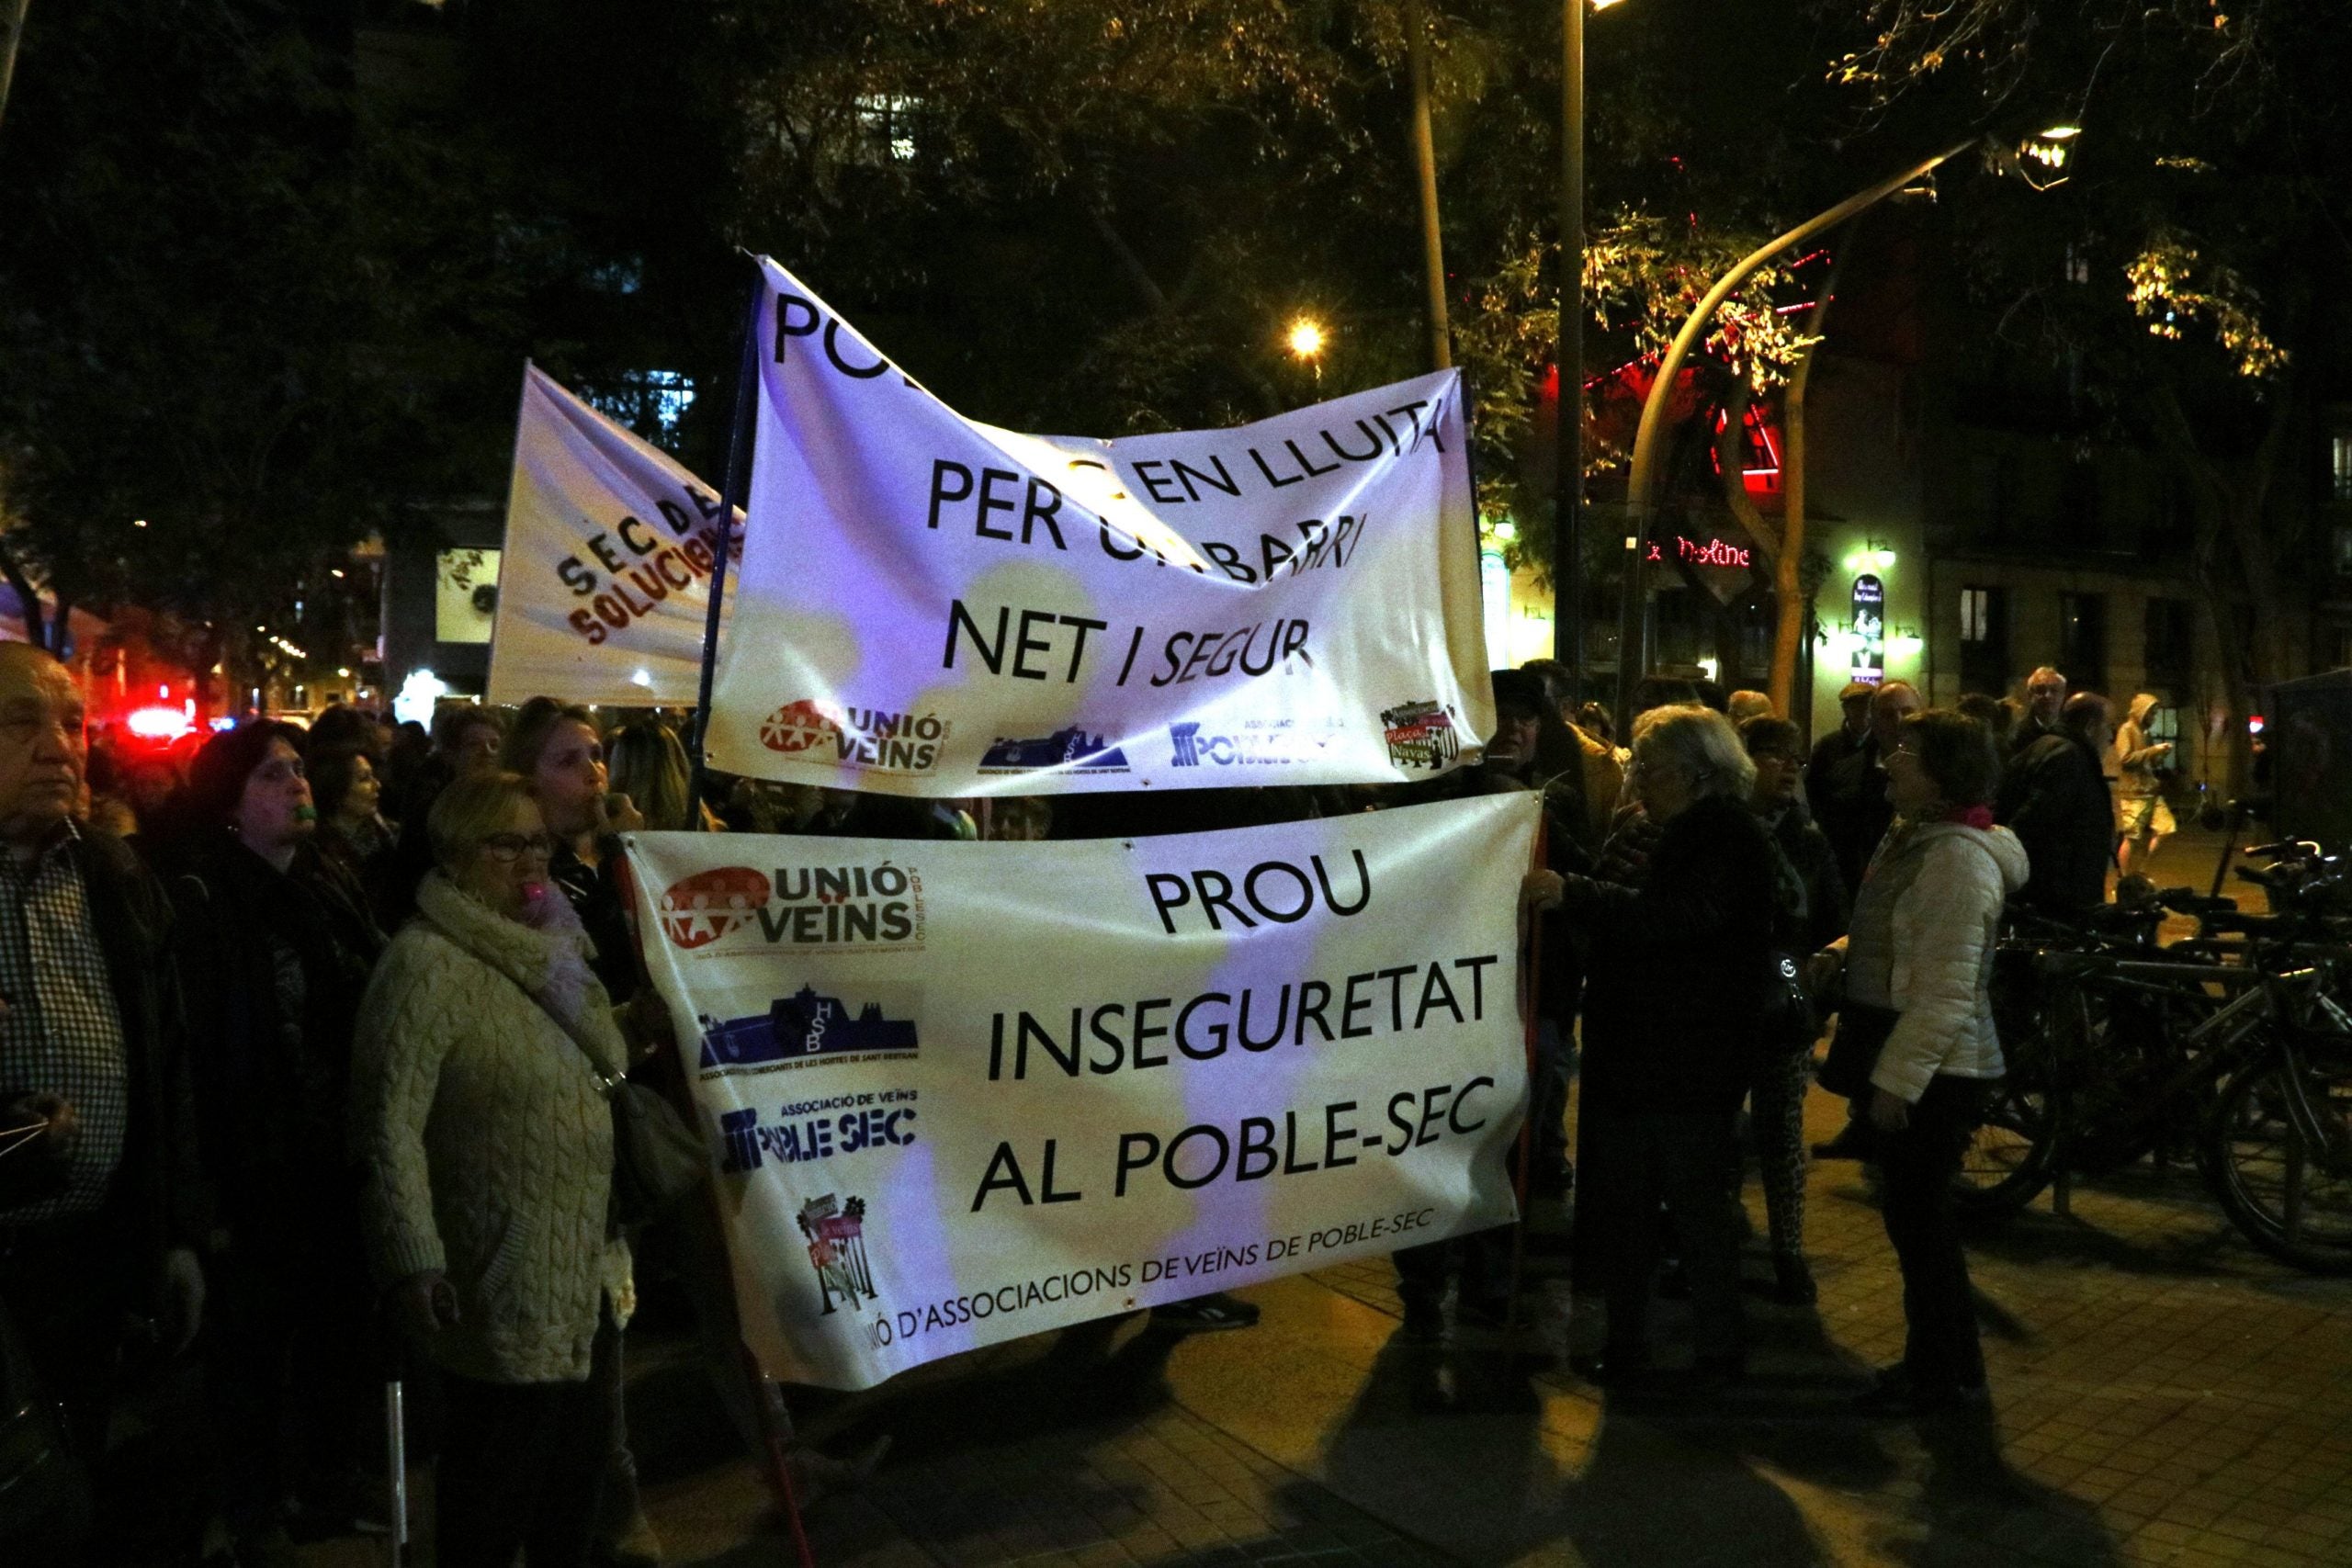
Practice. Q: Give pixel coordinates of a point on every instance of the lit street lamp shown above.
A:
(1305, 341)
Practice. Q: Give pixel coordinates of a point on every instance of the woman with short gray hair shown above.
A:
(1680, 955)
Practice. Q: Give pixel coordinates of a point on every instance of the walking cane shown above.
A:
(396, 1451)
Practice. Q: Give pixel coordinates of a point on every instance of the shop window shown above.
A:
(1985, 639)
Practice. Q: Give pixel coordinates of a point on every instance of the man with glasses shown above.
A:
(100, 1203)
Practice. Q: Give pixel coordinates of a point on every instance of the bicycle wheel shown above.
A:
(2013, 1154)
(2291, 1196)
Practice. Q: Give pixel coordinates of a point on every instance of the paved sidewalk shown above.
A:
(2164, 1394)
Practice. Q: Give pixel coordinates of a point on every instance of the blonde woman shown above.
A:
(489, 1151)
(648, 764)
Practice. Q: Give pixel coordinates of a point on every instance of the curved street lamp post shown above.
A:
(1643, 482)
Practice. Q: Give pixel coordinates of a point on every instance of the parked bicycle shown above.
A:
(2229, 1046)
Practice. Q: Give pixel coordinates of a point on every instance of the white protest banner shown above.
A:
(603, 584)
(933, 606)
(965, 1092)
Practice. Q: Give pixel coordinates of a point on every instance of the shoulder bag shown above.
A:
(658, 1155)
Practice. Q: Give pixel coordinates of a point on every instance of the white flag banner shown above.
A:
(960, 1093)
(933, 606)
(605, 581)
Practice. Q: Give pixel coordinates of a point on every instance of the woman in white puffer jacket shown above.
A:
(1918, 968)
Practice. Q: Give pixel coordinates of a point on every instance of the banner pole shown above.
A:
(731, 500)
(1538, 861)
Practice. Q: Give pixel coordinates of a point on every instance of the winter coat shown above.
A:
(1809, 854)
(160, 1201)
(1926, 918)
(272, 965)
(1850, 806)
(1678, 965)
(2054, 799)
(488, 1139)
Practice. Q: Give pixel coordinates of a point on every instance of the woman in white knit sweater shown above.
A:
(1918, 965)
(489, 1148)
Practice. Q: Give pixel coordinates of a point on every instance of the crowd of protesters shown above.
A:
(305, 1036)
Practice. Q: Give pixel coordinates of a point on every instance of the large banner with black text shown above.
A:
(960, 1093)
(933, 606)
(603, 585)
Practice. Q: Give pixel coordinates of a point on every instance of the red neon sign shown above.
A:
(1714, 552)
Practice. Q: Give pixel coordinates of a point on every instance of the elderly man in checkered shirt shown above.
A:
(101, 1207)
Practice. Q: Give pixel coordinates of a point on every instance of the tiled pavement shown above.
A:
(2164, 1394)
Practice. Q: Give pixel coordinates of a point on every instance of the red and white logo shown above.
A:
(707, 905)
(800, 726)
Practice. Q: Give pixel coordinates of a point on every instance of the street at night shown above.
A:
(1175, 783)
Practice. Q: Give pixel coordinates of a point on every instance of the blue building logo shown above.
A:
(1072, 749)
(804, 1027)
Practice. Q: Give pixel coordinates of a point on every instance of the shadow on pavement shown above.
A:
(1972, 1497)
(1491, 1455)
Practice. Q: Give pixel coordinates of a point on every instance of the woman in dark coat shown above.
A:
(1677, 975)
(274, 944)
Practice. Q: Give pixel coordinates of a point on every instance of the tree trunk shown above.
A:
(1425, 168)
(1731, 462)
(12, 28)
(2240, 589)
(1788, 569)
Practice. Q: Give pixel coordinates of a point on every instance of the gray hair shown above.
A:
(1702, 743)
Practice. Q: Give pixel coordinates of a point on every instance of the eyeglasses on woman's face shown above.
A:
(508, 848)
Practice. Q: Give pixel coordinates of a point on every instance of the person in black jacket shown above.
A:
(2055, 799)
(1669, 1039)
(274, 943)
(102, 1210)
(2045, 701)
(1849, 797)
(1853, 730)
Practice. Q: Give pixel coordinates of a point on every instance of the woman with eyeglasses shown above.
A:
(1679, 957)
(1916, 1049)
(273, 944)
(489, 1146)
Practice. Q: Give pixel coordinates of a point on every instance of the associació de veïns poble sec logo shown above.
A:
(814, 730)
(812, 907)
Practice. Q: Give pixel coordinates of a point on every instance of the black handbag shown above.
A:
(1787, 1022)
(1861, 1035)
